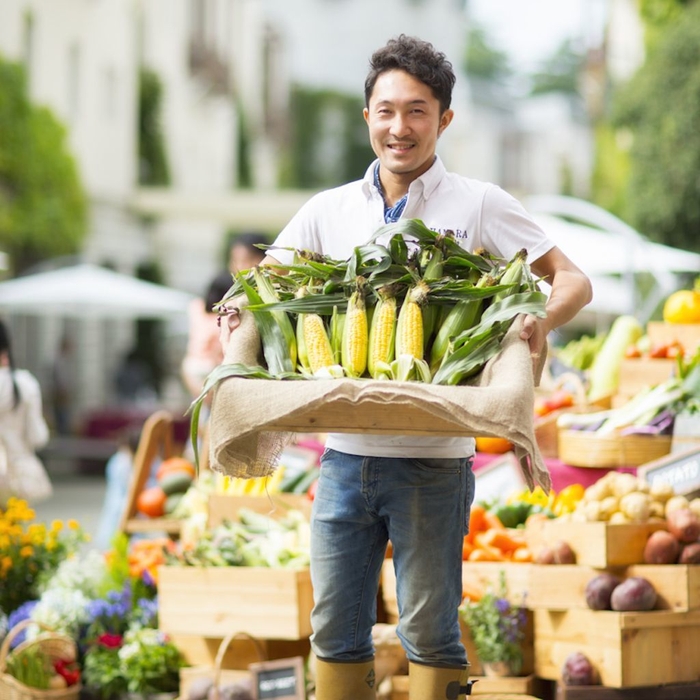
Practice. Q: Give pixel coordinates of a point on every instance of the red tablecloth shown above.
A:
(562, 474)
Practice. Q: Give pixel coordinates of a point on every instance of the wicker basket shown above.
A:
(580, 448)
(54, 645)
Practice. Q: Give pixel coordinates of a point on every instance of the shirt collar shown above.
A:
(428, 181)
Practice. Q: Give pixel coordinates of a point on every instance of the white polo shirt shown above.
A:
(480, 214)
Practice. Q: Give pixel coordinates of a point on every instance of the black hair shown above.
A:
(417, 58)
(5, 346)
(217, 289)
(251, 240)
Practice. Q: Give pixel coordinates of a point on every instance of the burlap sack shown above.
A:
(252, 420)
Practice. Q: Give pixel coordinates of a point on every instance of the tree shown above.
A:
(560, 72)
(483, 61)
(660, 105)
(43, 207)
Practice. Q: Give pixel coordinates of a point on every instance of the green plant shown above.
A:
(497, 627)
(30, 552)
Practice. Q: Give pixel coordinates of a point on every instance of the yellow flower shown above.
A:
(26, 551)
(73, 524)
(6, 564)
(57, 525)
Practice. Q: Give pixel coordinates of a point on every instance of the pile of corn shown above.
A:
(419, 308)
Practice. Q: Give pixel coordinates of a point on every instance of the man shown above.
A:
(414, 491)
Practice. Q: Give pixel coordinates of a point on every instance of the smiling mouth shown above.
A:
(400, 147)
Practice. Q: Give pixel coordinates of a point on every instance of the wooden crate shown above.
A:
(627, 649)
(581, 448)
(222, 507)
(687, 334)
(599, 544)
(673, 691)
(216, 601)
(643, 372)
(564, 587)
(512, 686)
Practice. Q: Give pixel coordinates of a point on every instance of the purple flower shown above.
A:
(23, 612)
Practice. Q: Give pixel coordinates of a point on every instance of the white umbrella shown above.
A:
(90, 291)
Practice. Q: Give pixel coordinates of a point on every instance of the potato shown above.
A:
(599, 590)
(690, 554)
(661, 548)
(661, 491)
(545, 556)
(684, 525)
(578, 670)
(634, 593)
(694, 505)
(676, 503)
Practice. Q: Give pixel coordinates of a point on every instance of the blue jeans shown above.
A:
(422, 507)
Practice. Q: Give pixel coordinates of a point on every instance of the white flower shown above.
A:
(84, 573)
(62, 610)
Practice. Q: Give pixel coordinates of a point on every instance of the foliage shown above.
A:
(611, 169)
(43, 207)
(658, 14)
(153, 161)
(484, 61)
(329, 140)
(660, 106)
(496, 626)
(31, 552)
(560, 72)
(144, 660)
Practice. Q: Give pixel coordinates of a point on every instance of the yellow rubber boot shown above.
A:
(436, 683)
(345, 681)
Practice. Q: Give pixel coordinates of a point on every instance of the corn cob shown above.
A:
(318, 345)
(337, 334)
(409, 329)
(382, 333)
(354, 346)
(302, 356)
(513, 275)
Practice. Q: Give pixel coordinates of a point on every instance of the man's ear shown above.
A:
(445, 119)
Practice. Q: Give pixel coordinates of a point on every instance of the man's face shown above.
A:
(404, 123)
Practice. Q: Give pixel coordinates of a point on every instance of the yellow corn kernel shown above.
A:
(318, 345)
(382, 334)
(355, 337)
(409, 331)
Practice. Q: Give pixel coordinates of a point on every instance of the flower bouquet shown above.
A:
(497, 628)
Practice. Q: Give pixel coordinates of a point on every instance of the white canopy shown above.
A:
(613, 254)
(90, 291)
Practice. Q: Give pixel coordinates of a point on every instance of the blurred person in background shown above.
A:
(62, 387)
(243, 253)
(23, 430)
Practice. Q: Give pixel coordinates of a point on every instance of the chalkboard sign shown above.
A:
(281, 679)
(680, 469)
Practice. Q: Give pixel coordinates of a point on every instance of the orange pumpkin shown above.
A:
(173, 464)
(151, 502)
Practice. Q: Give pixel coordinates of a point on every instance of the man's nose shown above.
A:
(400, 126)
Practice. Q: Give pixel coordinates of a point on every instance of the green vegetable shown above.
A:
(604, 374)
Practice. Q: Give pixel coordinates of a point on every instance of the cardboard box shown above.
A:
(564, 587)
(627, 649)
(264, 602)
(597, 544)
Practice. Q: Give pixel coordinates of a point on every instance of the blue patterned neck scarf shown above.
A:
(391, 214)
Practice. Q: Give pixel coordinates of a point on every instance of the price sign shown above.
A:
(281, 679)
(502, 476)
(679, 469)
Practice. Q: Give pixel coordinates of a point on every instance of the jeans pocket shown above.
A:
(449, 465)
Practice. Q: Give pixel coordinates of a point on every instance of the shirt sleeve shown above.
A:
(506, 227)
(301, 233)
(36, 429)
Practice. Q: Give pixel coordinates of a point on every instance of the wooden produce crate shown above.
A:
(564, 587)
(581, 448)
(597, 544)
(512, 686)
(671, 691)
(215, 601)
(687, 334)
(643, 372)
(627, 649)
(277, 505)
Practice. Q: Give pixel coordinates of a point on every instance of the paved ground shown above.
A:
(76, 496)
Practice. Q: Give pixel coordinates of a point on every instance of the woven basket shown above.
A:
(580, 448)
(54, 645)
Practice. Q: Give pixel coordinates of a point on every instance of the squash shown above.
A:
(151, 502)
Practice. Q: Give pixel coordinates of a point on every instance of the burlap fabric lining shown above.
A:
(246, 439)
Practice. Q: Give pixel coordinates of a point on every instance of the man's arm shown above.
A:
(571, 291)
